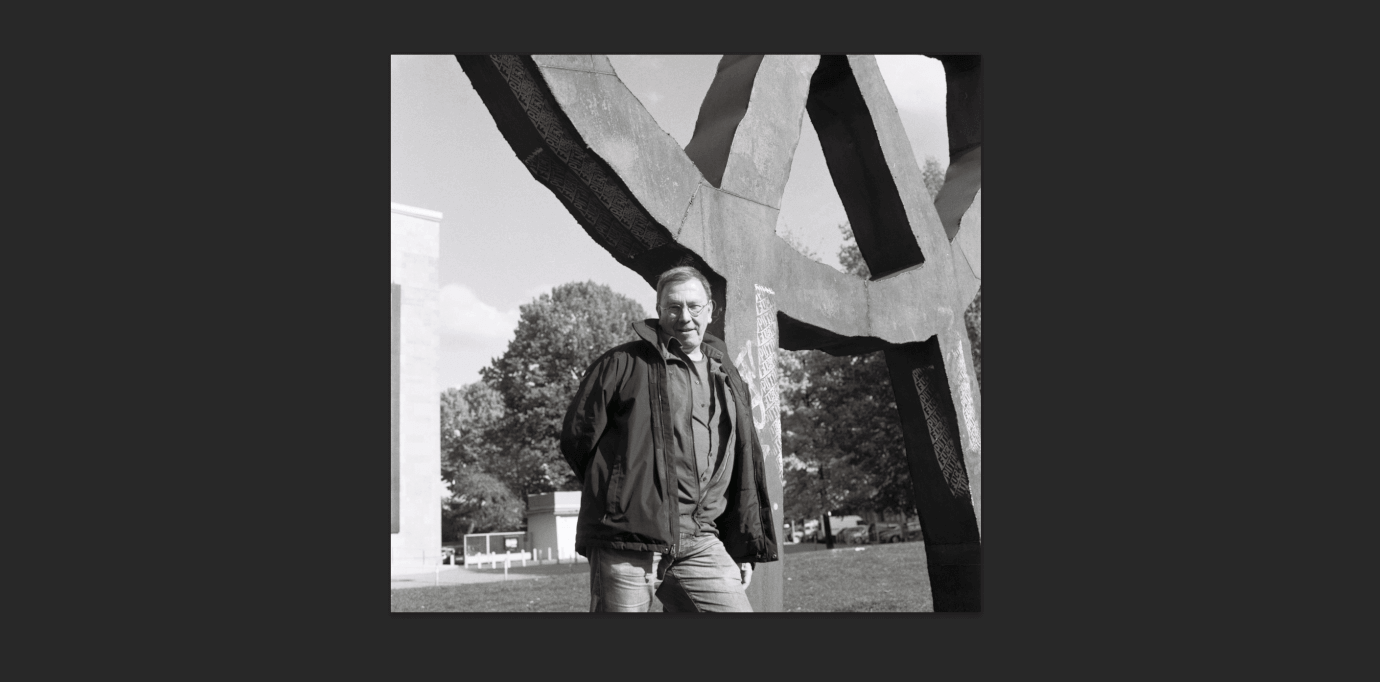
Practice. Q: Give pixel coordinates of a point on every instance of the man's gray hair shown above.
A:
(676, 275)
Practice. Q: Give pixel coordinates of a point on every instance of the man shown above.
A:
(660, 434)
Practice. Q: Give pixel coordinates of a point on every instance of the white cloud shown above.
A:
(916, 83)
(467, 318)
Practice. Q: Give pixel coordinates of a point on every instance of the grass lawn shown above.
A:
(553, 593)
(878, 578)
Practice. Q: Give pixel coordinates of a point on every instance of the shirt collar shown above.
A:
(664, 345)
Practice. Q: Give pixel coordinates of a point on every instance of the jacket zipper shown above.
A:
(668, 488)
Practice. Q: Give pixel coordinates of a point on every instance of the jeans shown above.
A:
(702, 578)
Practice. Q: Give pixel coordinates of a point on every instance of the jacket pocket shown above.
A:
(616, 503)
(613, 505)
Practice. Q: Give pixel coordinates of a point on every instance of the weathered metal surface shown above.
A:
(943, 484)
(963, 117)
(723, 108)
(620, 131)
(967, 250)
(565, 61)
(961, 184)
(715, 204)
(759, 160)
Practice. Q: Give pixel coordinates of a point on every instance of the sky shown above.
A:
(505, 239)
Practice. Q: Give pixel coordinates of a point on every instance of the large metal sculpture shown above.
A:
(652, 205)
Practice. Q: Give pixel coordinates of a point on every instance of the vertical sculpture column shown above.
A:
(939, 467)
(751, 335)
(416, 465)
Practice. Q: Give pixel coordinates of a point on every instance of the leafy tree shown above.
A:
(466, 414)
(933, 176)
(844, 427)
(559, 336)
(972, 319)
(850, 256)
(480, 503)
(818, 479)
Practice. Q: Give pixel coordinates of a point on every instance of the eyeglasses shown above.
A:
(694, 310)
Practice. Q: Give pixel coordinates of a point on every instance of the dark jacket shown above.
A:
(616, 437)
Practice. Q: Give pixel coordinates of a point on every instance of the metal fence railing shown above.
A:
(513, 547)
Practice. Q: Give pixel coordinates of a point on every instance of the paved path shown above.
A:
(460, 575)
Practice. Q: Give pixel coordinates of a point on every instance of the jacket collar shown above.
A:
(650, 331)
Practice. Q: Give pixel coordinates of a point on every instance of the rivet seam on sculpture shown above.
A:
(567, 68)
(732, 194)
(967, 262)
(688, 206)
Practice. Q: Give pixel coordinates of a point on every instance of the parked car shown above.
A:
(789, 535)
(887, 532)
(852, 535)
(453, 555)
(913, 531)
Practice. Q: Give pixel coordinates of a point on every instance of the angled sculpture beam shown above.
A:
(652, 205)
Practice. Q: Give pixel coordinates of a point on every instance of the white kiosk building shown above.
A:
(551, 524)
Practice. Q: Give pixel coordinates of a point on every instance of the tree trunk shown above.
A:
(824, 495)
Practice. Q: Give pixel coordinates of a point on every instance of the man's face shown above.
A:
(674, 308)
